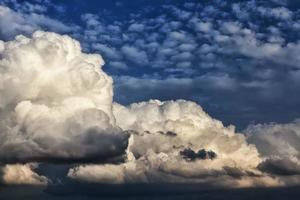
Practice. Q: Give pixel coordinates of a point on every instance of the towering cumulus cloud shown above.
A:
(56, 102)
(56, 106)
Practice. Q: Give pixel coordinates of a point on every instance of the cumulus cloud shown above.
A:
(55, 102)
(279, 146)
(18, 174)
(161, 133)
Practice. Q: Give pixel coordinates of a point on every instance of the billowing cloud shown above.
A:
(56, 102)
(279, 147)
(161, 133)
(18, 174)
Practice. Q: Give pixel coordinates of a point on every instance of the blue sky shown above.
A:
(238, 59)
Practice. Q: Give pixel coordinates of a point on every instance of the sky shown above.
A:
(163, 98)
(237, 59)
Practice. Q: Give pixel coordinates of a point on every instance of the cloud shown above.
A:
(110, 174)
(13, 23)
(278, 13)
(161, 133)
(136, 27)
(242, 40)
(135, 55)
(48, 84)
(237, 43)
(203, 26)
(118, 65)
(18, 174)
(110, 53)
(90, 19)
(230, 27)
(57, 107)
(279, 146)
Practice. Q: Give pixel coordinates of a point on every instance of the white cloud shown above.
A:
(230, 27)
(187, 47)
(135, 55)
(278, 13)
(110, 52)
(90, 19)
(184, 64)
(13, 23)
(136, 27)
(184, 56)
(279, 146)
(160, 131)
(54, 86)
(179, 36)
(203, 26)
(118, 65)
